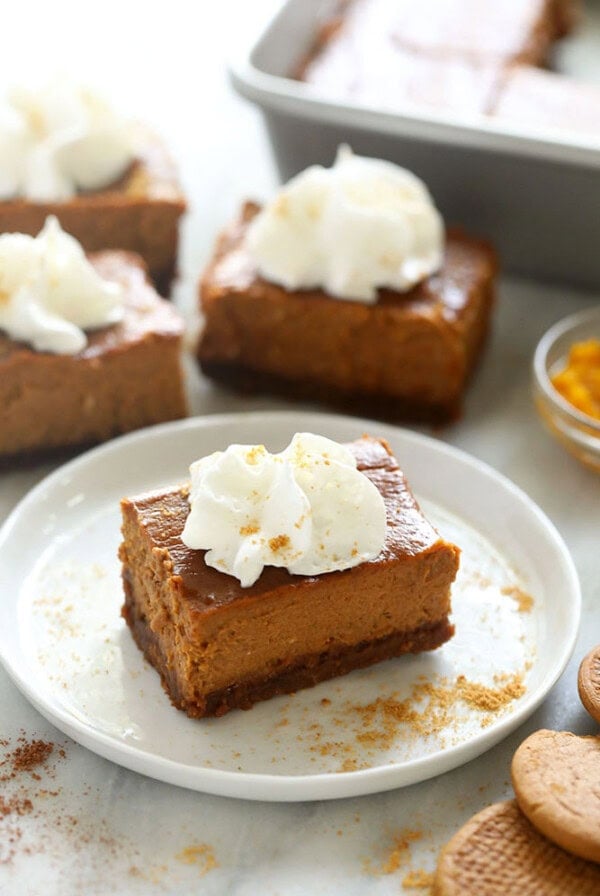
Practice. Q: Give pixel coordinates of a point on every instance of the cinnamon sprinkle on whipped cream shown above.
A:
(307, 509)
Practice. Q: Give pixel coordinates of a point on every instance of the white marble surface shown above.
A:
(107, 830)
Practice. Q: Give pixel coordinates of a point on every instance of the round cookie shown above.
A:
(499, 853)
(556, 777)
(588, 683)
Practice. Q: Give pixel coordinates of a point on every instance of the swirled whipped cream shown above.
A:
(307, 509)
(351, 229)
(50, 293)
(58, 140)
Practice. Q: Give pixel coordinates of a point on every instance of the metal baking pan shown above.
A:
(536, 195)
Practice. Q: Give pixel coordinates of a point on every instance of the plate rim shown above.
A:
(286, 787)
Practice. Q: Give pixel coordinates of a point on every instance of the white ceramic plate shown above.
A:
(63, 642)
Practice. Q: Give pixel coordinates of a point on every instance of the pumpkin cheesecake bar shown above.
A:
(383, 75)
(67, 151)
(139, 212)
(218, 645)
(544, 100)
(408, 356)
(127, 376)
(508, 32)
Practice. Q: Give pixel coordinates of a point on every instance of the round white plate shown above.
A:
(65, 645)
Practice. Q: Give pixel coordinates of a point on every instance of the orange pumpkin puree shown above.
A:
(579, 381)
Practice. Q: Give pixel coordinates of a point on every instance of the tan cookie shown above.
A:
(588, 683)
(498, 853)
(556, 777)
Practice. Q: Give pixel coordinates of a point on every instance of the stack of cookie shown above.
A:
(547, 841)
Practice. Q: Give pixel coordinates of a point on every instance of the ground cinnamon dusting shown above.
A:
(51, 830)
(30, 755)
(20, 769)
(27, 756)
(15, 805)
(29, 765)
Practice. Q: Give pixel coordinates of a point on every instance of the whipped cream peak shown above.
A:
(362, 225)
(308, 509)
(50, 293)
(60, 139)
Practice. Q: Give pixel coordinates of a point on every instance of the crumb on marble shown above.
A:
(200, 854)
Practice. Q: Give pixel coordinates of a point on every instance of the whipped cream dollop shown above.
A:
(351, 229)
(60, 139)
(50, 293)
(307, 509)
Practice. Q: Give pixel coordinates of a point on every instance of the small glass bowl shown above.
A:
(577, 431)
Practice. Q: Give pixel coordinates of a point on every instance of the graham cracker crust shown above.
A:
(364, 404)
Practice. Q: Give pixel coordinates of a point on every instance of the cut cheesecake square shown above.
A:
(508, 31)
(545, 100)
(409, 355)
(218, 646)
(140, 213)
(361, 35)
(127, 376)
(382, 75)
(405, 80)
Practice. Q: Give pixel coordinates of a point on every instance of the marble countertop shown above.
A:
(96, 828)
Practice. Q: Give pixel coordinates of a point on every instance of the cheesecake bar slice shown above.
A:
(408, 356)
(382, 75)
(544, 100)
(140, 213)
(361, 36)
(218, 646)
(128, 375)
(508, 32)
